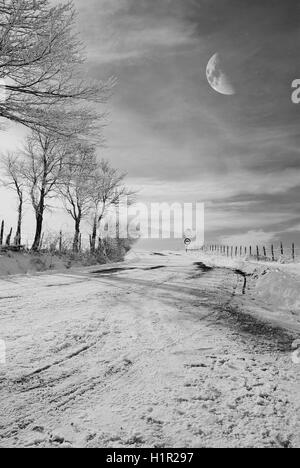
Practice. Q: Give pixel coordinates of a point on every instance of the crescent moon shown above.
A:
(217, 78)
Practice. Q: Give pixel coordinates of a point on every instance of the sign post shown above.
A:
(187, 242)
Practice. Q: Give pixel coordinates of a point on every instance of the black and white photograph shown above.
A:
(149, 226)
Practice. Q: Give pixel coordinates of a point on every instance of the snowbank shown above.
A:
(280, 287)
(21, 263)
(273, 286)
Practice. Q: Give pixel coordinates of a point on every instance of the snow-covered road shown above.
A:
(150, 353)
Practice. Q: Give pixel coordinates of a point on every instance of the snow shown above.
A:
(21, 263)
(156, 354)
(272, 285)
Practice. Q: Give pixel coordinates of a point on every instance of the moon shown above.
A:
(217, 78)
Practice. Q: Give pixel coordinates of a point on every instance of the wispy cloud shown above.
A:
(248, 238)
(115, 35)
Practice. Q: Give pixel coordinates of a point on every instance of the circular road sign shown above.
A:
(187, 241)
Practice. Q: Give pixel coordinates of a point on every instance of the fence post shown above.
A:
(257, 252)
(272, 252)
(265, 252)
(281, 249)
(293, 252)
(250, 251)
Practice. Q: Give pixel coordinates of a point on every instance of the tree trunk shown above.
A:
(9, 237)
(94, 236)
(39, 223)
(18, 236)
(76, 246)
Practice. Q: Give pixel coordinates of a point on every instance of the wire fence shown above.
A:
(51, 240)
(269, 253)
(62, 240)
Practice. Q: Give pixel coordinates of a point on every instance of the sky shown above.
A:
(177, 138)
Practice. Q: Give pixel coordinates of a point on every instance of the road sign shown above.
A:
(187, 241)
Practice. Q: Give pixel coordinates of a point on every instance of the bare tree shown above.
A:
(41, 64)
(13, 178)
(75, 186)
(44, 157)
(107, 189)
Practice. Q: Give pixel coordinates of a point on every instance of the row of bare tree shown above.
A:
(51, 167)
(43, 85)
